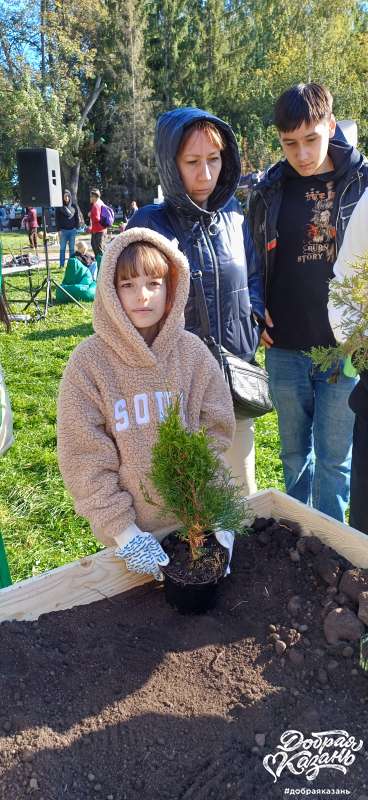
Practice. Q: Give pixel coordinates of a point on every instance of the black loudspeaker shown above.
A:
(39, 177)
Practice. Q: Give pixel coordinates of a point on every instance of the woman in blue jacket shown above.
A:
(199, 168)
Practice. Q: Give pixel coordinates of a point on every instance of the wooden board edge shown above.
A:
(103, 575)
(85, 580)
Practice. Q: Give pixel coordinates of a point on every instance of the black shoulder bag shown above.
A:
(248, 382)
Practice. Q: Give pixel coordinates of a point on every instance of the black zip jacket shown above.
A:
(65, 222)
(350, 180)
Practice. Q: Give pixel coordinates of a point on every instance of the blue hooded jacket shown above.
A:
(215, 240)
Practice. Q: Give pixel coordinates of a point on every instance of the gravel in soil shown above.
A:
(126, 699)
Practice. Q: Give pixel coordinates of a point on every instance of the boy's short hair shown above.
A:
(153, 262)
(213, 133)
(95, 192)
(304, 102)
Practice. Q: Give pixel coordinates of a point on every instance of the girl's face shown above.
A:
(199, 164)
(144, 300)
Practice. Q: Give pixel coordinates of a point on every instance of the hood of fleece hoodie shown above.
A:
(112, 324)
(169, 131)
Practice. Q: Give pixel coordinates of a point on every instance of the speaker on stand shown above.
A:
(39, 182)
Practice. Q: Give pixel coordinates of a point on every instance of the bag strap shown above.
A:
(196, 276)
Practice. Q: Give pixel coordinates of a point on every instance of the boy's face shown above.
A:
(143, 299)
(306, 148)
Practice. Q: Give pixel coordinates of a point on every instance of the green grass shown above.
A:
(14, 242)
(39, 526)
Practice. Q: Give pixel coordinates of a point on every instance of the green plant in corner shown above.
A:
(352, 296)
(194, 483)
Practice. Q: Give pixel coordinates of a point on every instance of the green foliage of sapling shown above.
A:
(193, 482)
(351, 294)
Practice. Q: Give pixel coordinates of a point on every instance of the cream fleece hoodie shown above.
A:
(353, 248)
(113, 394)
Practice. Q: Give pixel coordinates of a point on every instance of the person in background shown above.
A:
(298, 214)
(78, 281)
(132, 209)
(355, 247)
(81, 252)
(199, 168)
(12, 214)
(31, 225)
(67, 224)
(116, 387)
(96, 230)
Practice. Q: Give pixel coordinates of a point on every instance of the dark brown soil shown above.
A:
(126, 699)
(182, 568)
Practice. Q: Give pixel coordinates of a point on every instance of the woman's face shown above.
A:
(66, 199)
(199, 164)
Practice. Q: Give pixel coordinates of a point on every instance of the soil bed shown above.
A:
(126, 699)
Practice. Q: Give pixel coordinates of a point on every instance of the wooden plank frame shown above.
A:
(103, 575)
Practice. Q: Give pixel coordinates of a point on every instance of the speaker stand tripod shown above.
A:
(48, 281)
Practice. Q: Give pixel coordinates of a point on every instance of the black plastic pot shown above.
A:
(190, 598)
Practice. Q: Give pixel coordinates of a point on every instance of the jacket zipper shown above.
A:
(266, 257)
(217, 281)
(216, 274)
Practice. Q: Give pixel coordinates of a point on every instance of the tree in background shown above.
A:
(130, 114)
(90, 81)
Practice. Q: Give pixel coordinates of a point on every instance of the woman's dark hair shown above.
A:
(304, 102)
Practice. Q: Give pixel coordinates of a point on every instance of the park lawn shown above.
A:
(37, 520)
(13, 243)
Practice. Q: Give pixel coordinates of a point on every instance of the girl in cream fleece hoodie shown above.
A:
(115, 388)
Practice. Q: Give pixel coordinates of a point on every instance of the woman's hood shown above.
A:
(169, 131)
(112, 324)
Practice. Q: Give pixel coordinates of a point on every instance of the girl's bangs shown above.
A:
(142, 257)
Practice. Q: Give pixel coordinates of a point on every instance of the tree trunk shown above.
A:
(70, 174)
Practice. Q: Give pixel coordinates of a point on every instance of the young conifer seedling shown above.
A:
(352, 296)
(194, 483)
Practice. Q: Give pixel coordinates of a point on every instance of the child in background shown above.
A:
(115, 388)
(82, 252)
(30, 223)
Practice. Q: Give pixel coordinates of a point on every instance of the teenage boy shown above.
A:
(298, 215)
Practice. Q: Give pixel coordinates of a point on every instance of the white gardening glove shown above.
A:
(141, 552)
(226, 539)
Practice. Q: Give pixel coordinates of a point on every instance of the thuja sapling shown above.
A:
(194, 483)
(351, 295)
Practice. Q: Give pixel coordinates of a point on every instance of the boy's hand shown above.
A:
(143, 554)
(266, 338)
(226, 539)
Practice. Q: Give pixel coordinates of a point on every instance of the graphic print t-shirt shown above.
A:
(305, 257)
